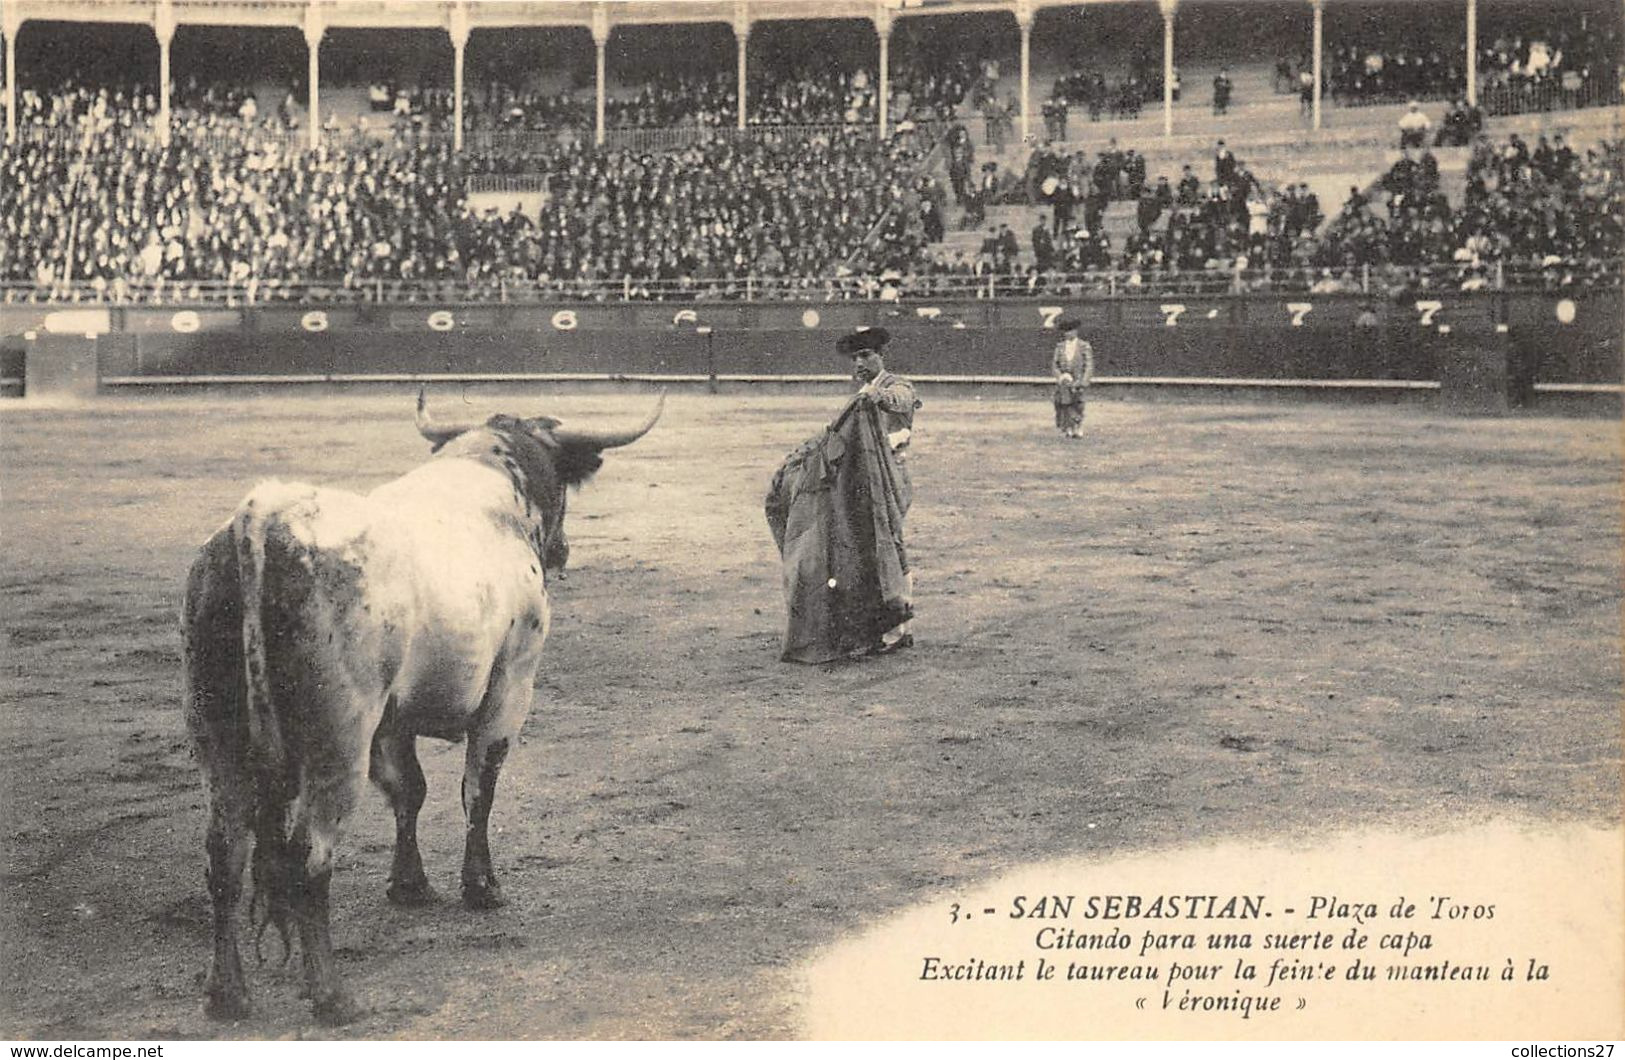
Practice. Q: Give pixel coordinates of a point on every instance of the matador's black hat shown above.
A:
(862, 341)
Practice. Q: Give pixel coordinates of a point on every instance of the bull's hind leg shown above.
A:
(216, 716)
(395, 769)
(311, 861)
(331, 734)
(226, 992)
(320, 689)
(480, 772)
(497, 724)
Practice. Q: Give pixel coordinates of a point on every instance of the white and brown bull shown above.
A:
(325, 631)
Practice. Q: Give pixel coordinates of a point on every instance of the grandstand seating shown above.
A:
(229, 200)
(1355, 153)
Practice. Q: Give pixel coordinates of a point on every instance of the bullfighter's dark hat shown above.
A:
(862, 341)
(1068, 324)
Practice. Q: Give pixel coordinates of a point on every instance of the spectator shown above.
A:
(1190, 187)
(1147, 211)
(996, 117)
(1222, 88)
(1062, 199)
(1413, 126)
(1462, 124)
(1055, 113)
(1224, 163)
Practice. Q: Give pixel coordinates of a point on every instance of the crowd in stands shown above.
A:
(66, 103)
(677, 99)
(1070, 181)
(787, 93)
(1405, 220)
(1092, 93)
(1551, 70)
(763, 207)
(1390, 70)
(1548, 211)
(230, 198)
(501, 107)
(1209, 227)
(114, 208)
(1567, 58)
(1462, 124)
(228, 201)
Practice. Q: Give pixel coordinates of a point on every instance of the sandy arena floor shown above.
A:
(1204, 623)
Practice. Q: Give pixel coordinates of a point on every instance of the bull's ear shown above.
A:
(541, 428)
(576, 461)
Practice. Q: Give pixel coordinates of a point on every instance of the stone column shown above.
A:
(1168, 9)
(163, 27)
(458, 29)
(883, 24)
(314, 31)
(600, 39)
(741, 40)
(1024, 19)
(1472, 53)
(12, 24)
(1320, 27)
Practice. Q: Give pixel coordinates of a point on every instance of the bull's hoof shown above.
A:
(336, 1009)
(226, 1005)
(412, 894)
(483, 894)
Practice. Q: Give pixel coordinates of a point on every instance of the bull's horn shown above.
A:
(611, 439)
(438, 433)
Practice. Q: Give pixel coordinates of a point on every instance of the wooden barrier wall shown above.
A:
(1551, 338)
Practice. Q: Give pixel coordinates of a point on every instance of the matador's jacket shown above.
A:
(895, 398)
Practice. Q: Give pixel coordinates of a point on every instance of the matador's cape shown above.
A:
(836, 510)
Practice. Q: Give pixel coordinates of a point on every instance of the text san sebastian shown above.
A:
(1137, 907)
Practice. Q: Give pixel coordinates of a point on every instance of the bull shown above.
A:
(325, 631)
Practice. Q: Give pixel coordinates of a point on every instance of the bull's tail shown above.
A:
(275, 778)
